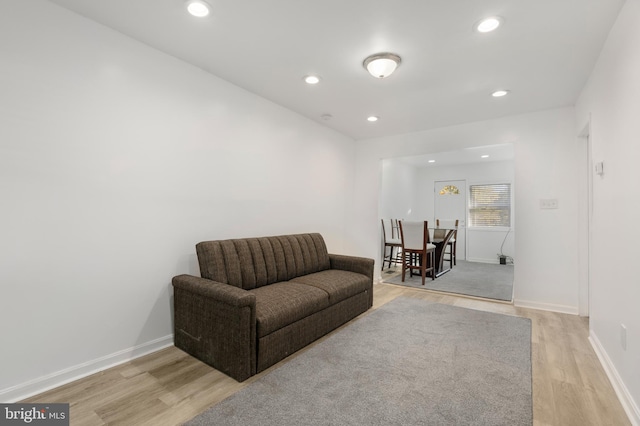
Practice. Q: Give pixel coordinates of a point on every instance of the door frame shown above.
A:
(462, 226)
(585, 219)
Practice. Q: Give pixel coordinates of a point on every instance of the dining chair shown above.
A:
(395, 229)
(452, 246)
(392, 244)
(417, 251)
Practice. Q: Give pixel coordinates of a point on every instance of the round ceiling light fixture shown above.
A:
(198, 8)
(500, 93)
(381, 65)
(372, 119)
(488, 24)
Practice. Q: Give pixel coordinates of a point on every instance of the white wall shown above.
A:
(115, 160)
(611, 99)
(546, 166)
(398, 188)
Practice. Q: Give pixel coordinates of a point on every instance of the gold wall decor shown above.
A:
(450, 189)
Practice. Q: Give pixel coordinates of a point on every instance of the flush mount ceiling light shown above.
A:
(312, 79)
(484, 156)
(500, 93)
(488, 24)
(372, 119)
(198, 8)
(381, 65)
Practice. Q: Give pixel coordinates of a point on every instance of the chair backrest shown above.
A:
(414, 235)
(439, 233)
(384, 234)
(395, 229)
(447, 223)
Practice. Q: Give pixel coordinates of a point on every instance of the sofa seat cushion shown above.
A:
(281, 304)
(339, 285)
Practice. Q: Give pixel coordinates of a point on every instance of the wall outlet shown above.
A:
(623, 336)
(551, 203)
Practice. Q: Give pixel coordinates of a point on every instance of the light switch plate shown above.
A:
(549, 203)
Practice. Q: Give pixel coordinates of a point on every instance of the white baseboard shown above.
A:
(629, 405)
(563, 309)
(481, 260)
(59, 378)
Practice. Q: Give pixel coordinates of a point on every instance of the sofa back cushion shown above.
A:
(254, 262)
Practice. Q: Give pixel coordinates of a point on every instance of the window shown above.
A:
(490, 205)
(450, 189)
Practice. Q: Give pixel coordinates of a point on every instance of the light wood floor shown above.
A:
(169, 387)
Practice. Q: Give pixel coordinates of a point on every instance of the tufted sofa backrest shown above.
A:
(254, 262)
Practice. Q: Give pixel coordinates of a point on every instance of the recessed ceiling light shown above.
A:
(484, 156)
(326, 117)
(372, 118)
(500, 93)
(312, 79)
(198, 8)
(488, 24)
(432, 161)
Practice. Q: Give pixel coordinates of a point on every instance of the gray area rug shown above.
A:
(488, 280)
(410, 362)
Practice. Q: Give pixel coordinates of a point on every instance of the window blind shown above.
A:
(490, 205)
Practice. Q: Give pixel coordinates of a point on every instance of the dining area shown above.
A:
(419, 248)
(477, 206)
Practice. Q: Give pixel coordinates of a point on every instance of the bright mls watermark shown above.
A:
(34, 414)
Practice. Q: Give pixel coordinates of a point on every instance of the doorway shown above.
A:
(405, 193)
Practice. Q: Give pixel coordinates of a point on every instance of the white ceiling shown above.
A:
(543, 53)
(498, 152)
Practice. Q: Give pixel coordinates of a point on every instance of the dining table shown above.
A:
(440, 237)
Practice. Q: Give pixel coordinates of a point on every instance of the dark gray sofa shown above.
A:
(261, 299)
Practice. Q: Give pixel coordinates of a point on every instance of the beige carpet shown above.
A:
(488, 280)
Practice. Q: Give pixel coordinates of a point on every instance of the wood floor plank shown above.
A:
(169, 387)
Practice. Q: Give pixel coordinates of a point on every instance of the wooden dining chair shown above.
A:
(392, 244)
(395, 235)
(395, 229)
(452, 246)
(417, 252)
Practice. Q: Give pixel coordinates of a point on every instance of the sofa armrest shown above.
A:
(361, 265)
(216, 323)
(223, 293)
